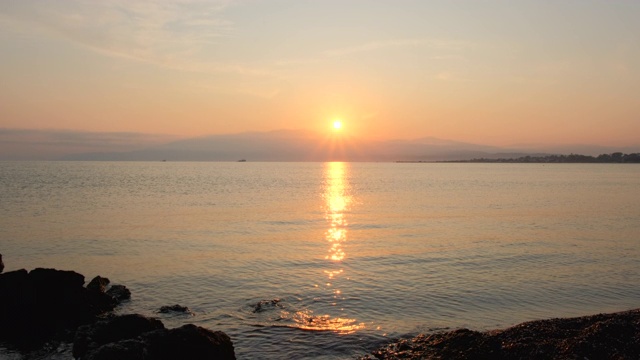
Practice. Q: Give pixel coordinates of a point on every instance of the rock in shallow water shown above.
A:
(98, 284)
(119, 293)
(175, 309)
(135, 337)
(603, 336)
(89, 337)
(36, 305)
(264, 305)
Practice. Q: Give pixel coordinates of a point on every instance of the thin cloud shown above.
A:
(451, 77)
(171, 34)
(448, 45)
(377, 45)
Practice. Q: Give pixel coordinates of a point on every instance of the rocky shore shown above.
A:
(41, 306)
(45, 305)
(602, 336)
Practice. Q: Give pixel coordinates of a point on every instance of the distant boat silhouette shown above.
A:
(242, 160)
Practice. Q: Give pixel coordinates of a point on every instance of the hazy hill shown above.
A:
(24, 144)
(299, 145)
(280, 145)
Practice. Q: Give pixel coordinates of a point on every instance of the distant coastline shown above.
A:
(614, 158)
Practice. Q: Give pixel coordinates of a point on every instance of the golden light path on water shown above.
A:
(337, 200)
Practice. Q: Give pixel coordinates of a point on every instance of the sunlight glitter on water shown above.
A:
(399, 247)
(305, 320)
(338, 199)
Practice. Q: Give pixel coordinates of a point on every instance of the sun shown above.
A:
(337, 125)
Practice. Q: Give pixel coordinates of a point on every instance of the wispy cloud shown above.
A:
(177, 34)
(452, 48)
(377, 45)
(450, 76)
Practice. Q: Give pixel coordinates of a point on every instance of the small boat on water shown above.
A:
(242, 160)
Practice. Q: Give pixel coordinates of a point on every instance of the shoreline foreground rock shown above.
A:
(137, 337)
(602, 336)
(41, 303)
(53, 305)
(49, 304)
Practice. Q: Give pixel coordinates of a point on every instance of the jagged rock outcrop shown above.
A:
(36, 305)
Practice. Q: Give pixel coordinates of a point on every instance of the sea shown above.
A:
(331, 260)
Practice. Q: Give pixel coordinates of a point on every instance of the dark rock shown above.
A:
(175, 308)
(133, 349)
(98, 284)
(134, 337)
(603, 336)
(189, 342)
(119, 293)
(36, 305)
(52, 279)
(264, 305)
(14, 300)
(1, 264)
(90, 337)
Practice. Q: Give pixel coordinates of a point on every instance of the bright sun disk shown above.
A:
(337, 124)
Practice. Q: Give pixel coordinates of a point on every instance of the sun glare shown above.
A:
(337, 125)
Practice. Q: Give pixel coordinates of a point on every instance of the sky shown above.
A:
(490, 72)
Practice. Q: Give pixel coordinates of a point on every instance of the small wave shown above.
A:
(279, 312)
(265, 305)
(305, 320)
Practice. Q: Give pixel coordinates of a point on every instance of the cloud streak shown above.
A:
(378, 45)
(446, 45)
(178, 35)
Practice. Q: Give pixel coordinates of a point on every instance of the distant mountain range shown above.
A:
(280, 145)
(299, 145)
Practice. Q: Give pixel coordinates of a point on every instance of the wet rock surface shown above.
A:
(98, 284)
(119, 293)
(602, 336)
(136, 337)
(175, 309)
(91, 337)
(264, 305)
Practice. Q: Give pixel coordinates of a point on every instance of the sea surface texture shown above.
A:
(330, 260)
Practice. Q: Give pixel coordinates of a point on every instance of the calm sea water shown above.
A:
(329, 260)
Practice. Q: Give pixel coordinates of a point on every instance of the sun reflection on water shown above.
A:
(337, 200)
(305, 320)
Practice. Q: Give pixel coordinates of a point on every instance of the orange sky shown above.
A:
(492, 72)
